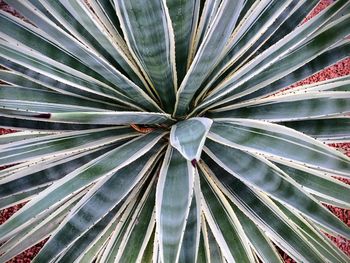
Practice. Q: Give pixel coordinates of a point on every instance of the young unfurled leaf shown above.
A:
(188, 137)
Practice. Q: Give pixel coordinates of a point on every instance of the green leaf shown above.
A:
(106, 195)
(138, 225)
(35, 124)
(106, 12)
(184, 16)
(22, 98)
(201, 250)
(136, 237)
(258, 23)
(262, 213)
(321, 186)
(149, 34)
(190, 242)
(286, 56)
(325, 246)
(61, 144)
(9, 138)
(98, 244)
(36, 40)
(52, 70)
(20, 197)
(94, 117)
(148, 253)
(76, 17)
(260, 173)
(214, 253)
(277, 141)
(89, 237)
(37, 232)
(323, 129)
(126, 220)
(294, 19)
(293, 61)
(112, 118)
(208, 12)
(176, 180)
(289, 107)
(208, 53)
(327, 58)
(188, 137)
(31, 78)
(19, 80)
(44, 174)
(109, 163)
(259, 241)
(224, 225)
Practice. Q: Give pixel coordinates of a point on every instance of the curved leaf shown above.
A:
(149, 34)
(224, 225)
(29, 36)
(191, 239)
(276, 140)
(80, 179)
(176, 180)
(290, 107)
(188, 137)
(261, 212)
(258, 240)
(62, 144)
(184, 16)
(208, 53)
(46, 101)
(323, 129)
(106, 195)
(280, 60)
(324, 188)
(259, 173)
(111, 118)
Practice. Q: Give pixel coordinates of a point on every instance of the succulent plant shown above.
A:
(162, 130)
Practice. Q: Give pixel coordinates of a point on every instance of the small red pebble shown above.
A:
(321, 5)
(5, 131)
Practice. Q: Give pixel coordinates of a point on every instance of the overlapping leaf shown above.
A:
(163, 130)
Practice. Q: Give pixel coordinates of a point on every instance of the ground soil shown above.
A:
(340, 69)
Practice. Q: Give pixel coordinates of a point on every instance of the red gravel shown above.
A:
(29, 254)
(8, 212)
(321, 5)
(5, 131)
(340, 69)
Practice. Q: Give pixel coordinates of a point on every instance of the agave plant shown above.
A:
(162, 130)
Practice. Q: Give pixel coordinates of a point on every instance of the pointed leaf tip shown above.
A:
(188, 137)
(194, 163)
